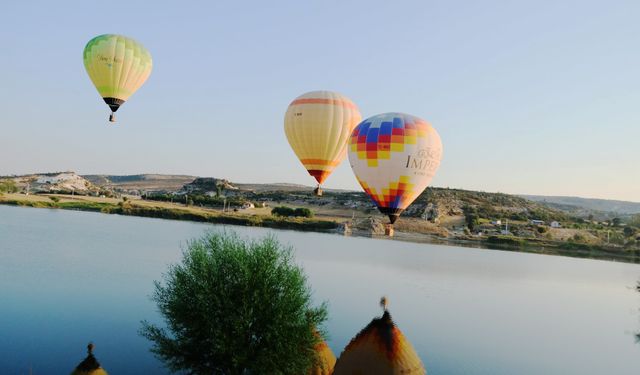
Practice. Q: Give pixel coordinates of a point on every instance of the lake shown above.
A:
(67, 278)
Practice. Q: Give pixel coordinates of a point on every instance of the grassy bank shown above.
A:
(165, 211)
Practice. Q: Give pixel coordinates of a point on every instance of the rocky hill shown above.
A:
(435, 204)
(140, 183)
(57, 182)
(207, 186)
(450, 207)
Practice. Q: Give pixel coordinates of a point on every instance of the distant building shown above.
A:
(555, 224)
(248, 205)
(537, 222)
(496, 222)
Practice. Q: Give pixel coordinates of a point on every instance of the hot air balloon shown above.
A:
(394, 157)
(380, 349)
(90, 365)
(117, 66)
(318, 125)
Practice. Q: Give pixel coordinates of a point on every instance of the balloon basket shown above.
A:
(388, 230)
(317, 191)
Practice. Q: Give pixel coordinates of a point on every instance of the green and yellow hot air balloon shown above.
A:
(117, 66)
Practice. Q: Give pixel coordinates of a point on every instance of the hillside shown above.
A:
(578, 204)
(135, 184)
(448, 207)
(438, 214)
(57, 182)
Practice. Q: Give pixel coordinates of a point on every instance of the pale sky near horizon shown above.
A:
(531, 97)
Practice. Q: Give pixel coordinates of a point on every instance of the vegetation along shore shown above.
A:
(439, 215)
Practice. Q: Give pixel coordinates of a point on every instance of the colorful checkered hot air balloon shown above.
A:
(394, 157)
(117, 66)
(318, 125)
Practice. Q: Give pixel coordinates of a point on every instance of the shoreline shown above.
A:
(173, 211)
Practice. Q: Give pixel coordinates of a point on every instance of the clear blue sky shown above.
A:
(539, 97)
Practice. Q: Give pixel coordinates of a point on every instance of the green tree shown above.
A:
(282, 211)
(616, 221)
(628, 231)
(471, 217)
(235, 307)
(8, 186)
(303, 212)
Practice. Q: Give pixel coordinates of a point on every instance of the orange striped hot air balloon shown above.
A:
(380, 349)
(318, 125)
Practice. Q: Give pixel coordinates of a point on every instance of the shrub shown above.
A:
(285, 211)
(235, 307)
(303, 212)
(282, 211)
(8, 186)
(628, 231)
(578, 237)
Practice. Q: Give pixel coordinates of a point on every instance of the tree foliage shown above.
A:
(8, 186)
(471, 217)
(629, 231)
(288, 211)
(234, 306)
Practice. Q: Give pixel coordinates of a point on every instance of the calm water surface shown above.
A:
(67, 278)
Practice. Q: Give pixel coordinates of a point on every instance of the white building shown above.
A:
(555, 224)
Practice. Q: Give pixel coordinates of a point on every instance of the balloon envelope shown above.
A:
(117, 66)
(318, 125)
(394, 157)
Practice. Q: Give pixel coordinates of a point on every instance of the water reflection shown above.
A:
(66, 277)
